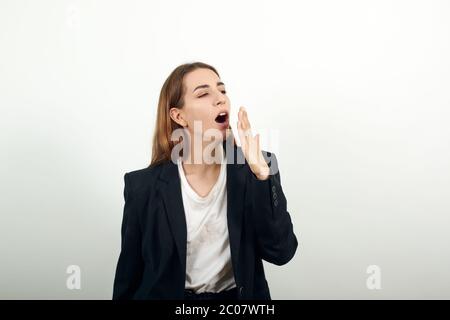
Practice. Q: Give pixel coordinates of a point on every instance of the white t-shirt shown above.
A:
(208, 256)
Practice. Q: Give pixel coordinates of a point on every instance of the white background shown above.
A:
(358, 92)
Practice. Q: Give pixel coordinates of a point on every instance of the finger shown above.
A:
(241, 125)
(241, 117)
(246, 124)
(241, 113)
(247, 133)
(258, 149)
(244, 145)
(260, 156)
(246, 121)
(252, 150)
(242, 137)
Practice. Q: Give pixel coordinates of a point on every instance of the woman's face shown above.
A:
(206, 105)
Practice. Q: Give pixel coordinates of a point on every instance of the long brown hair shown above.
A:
(171, 95)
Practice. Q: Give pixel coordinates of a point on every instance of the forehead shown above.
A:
(199, 77)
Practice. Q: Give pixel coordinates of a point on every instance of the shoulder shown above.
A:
(139, 181)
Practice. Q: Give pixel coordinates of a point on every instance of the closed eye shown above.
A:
(224, 92)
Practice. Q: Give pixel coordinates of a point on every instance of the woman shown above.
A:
(200, 218)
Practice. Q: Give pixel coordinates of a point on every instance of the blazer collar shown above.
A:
(170, 189)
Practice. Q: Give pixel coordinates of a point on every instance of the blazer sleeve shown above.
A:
(130, 264)
(275, 239)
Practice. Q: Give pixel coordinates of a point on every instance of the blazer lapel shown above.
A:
(173, 201)
(170, 189)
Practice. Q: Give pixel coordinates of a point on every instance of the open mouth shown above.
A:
(222, 117)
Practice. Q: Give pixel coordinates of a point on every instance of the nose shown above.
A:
(220, 99)
(220, 102)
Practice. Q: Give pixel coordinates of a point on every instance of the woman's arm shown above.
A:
(130, 265)
(275, 238)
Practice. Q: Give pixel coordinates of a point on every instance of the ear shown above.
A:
(177, 116)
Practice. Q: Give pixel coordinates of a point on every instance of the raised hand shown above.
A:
(250, 147)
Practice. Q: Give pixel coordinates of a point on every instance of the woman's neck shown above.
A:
(204, 160)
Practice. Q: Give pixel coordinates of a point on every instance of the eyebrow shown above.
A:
(220, 83)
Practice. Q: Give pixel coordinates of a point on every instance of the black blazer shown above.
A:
(152, 261)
